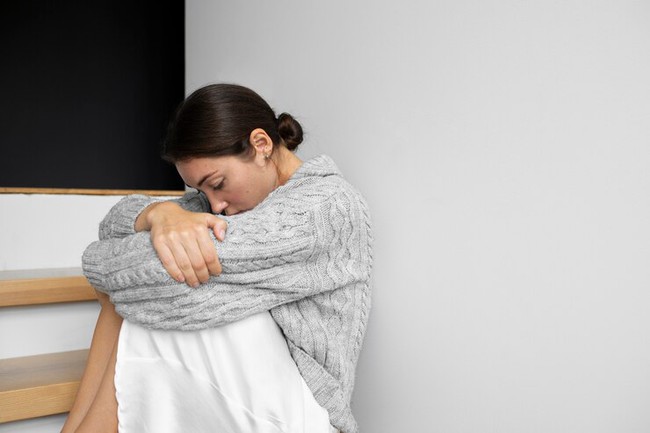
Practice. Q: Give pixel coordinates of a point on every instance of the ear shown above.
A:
(262, 143)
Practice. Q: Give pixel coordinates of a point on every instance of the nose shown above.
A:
(218, 206)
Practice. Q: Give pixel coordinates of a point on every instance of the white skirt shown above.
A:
(238, 378)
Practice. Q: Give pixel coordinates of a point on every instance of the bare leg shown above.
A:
(102, 414)
(101, 349)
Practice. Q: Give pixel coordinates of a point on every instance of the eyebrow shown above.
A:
(204, 178)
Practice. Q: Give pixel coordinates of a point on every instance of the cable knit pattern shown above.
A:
(304, 253)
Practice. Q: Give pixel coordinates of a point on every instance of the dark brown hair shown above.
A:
(217, 120)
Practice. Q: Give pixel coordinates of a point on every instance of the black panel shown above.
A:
(87, 90)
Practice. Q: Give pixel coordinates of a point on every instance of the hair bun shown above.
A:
(289, 130)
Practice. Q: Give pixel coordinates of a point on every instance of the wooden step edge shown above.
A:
(41, 385)
(36, 402)
(88, 191)
(44, 290)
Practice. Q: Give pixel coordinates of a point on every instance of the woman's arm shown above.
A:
(282, 252)
(121, 218)
(187, 254)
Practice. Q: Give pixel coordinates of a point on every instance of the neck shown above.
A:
(286, 163)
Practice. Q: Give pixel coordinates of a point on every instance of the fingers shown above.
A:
(201, 252)
(189, 259)
(208, 250)
(185, 248)
(218, 226)
(169, 262)
(209, 254)
(185, 265)
(176, 260)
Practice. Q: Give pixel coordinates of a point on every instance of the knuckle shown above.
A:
(158, 238)
(184, 266)
(211, 259)
(185, 233)
(167, 262)
(197, 262)
(198, 229)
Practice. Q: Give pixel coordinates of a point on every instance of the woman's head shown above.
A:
(218, 119)
(226, 141)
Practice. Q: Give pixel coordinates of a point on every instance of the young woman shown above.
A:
(244, 303)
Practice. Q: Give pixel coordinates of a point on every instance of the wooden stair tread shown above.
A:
(39, 385)
(44, 286)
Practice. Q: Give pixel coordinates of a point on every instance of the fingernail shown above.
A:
(222, 234)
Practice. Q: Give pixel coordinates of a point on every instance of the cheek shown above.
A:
(250, 197)
(256, 188)
(250, 190)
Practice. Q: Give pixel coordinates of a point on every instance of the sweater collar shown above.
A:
(319, 166)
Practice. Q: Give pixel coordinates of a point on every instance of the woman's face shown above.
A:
(231, 184)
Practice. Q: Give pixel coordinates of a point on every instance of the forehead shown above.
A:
(194, 170)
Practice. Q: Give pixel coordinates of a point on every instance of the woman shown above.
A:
(275, 289)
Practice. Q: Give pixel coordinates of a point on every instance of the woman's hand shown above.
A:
(182, 242)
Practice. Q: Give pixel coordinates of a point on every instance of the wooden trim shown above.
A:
(34, 386)
(23, 274)
(83, 191)
(17, 288)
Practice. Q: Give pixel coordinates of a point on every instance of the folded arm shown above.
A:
(121, 218)
(270, 256)
(179, 231)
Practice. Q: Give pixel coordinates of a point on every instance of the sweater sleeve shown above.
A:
(120, 220)
(275, 255)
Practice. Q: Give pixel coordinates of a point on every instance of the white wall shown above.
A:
(504, 149)
(48, 231)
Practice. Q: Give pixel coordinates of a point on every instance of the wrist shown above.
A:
(144, 221)
(155, 213)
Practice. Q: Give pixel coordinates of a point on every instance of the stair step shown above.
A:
(40, 385)
(44, 286)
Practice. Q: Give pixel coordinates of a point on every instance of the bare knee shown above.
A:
(104, 301)
(102, 297)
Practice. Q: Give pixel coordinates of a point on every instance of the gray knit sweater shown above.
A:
(304, 253)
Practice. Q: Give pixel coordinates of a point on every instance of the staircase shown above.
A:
(47, 312)
(41, 385)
